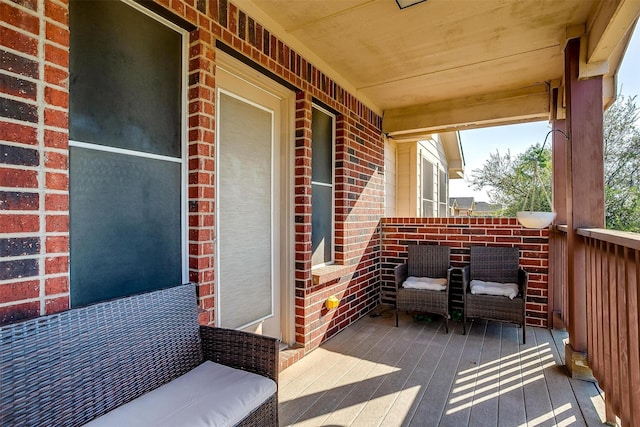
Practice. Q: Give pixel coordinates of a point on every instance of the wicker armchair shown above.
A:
(495, 264)
(424, 261)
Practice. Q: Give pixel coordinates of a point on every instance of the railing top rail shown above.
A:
(621, 238)
(561, 227)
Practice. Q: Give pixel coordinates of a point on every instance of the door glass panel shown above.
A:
(244, 212)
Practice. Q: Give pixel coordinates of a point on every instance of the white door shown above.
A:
(249, 198)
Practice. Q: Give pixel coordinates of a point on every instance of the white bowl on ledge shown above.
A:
(529, 219)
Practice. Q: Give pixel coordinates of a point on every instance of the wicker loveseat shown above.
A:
(70, 368)
(495, 264)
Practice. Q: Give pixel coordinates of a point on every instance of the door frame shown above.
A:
(284, 224)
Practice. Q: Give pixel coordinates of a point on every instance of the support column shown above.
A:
(585, 195)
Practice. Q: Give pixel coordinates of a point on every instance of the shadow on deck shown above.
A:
(374, 374)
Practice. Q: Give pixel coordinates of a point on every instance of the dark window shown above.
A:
(126, 152)
(322, 137)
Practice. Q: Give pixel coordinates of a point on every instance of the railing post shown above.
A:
(585, 195)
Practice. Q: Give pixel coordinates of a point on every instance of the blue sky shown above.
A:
(478, 143)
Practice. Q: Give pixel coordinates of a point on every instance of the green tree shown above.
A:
(622, 165)
(509, 181)
(517, 183)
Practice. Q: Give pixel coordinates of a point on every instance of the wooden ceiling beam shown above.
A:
(608, 26)
(515, 106)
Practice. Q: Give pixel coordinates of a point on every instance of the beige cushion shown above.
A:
(428, 283)
(209, 395)
(494, 288)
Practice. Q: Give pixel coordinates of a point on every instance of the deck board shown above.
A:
(485, 410)
(374, 374)
(511, 399)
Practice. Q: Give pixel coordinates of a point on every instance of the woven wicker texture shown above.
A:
(495, 264)
(428, 260)
(69, 368)
(242, 350)
(249, 352)
(424, 261)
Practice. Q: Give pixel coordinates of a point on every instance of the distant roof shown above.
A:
(486, 207)
(461, 202)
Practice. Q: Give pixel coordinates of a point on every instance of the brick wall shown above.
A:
(359, 205)
(34, 220)
(461, 234)
(34, 200)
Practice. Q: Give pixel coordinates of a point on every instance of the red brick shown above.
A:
(54, 160)
(56, 285)
(19, 223)
(57, 244)
(56, 139)
(56, 305)
(18, 41)
(17, 178)
(54, 118)
(18, 18)
(56, 97)
(56, 76)
(10, 292)
(57, 34)
(56, 202)
(13, 132)
(56, 12)
(57, 181)
(57, 223)
(56, 55)
(55, 265)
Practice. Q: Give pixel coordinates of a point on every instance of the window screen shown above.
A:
(322, 137)
(245, 234)
(125, 115)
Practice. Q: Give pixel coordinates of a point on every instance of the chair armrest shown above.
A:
(400, 273)
(465, 278)
(242, 350)
(523, 281)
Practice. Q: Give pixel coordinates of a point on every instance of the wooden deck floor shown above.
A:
(374, 374)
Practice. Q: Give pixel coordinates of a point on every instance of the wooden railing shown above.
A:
(613, 281)
(558, 290)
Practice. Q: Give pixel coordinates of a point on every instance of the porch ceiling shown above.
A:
(446, 64)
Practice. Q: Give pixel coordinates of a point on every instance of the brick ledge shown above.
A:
(329, 273)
